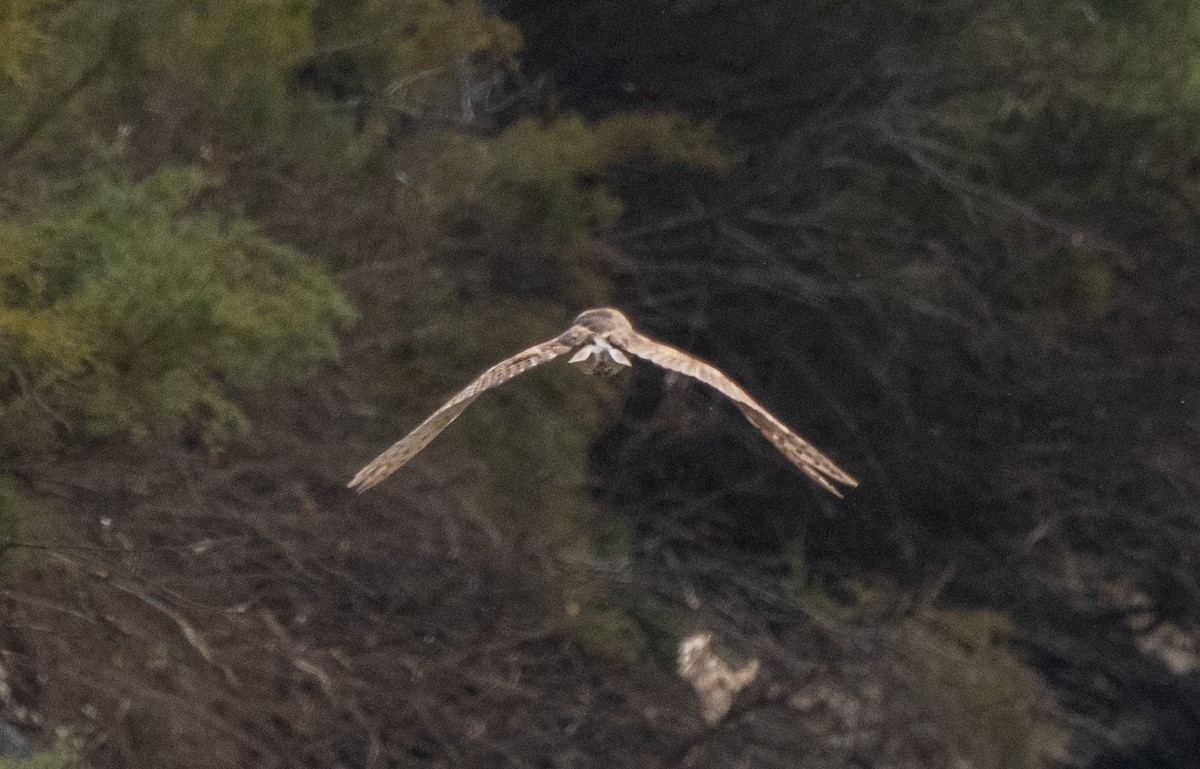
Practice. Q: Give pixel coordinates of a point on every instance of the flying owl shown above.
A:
(602, 341)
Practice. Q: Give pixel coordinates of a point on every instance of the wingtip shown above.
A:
(847, 480)
(362, 481)
(827, 476)
(844, 478)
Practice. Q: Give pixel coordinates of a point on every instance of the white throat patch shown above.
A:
(597, 351)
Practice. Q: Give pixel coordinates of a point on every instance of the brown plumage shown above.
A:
(600, 341)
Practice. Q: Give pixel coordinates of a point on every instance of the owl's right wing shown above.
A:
(805, 456)
(407, 447)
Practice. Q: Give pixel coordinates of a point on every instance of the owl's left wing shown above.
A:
(407, 447)
(802, 454)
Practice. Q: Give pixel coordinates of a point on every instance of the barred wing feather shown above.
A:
(407, 447)
(800, 452)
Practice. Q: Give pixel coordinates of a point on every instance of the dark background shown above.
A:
(243, 247)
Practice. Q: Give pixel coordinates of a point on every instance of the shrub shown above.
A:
(132, 310)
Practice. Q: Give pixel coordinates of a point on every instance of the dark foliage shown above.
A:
(952, 242)
(996, 332)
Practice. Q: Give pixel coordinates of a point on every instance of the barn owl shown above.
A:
(602, 341)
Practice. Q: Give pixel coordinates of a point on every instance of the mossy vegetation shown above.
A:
(606, 629)
(63, 754)
(22, 28)
(935, 686)
(958, 673)
(132, 310)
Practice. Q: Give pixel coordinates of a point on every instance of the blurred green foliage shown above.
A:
(63, 754)
(241, 55)
(604, 628)
(540, 175)
(21, 31)
(17, 516)
(417, 44)
(990, 708)
(131, 309)
(1025, 134)
(145, 297)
